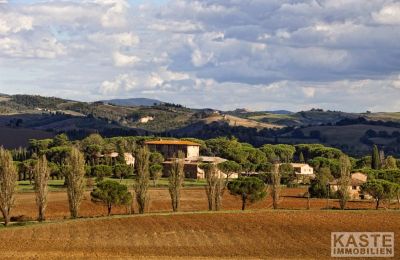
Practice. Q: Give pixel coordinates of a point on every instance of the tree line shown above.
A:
(77, 162)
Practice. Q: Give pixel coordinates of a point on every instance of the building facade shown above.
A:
(170, 148)
(354, 188)
(302, 169)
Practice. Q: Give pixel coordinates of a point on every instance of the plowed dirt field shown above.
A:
(296, 234)
(193, 199)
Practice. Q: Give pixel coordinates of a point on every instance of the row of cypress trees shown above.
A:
(75, 181)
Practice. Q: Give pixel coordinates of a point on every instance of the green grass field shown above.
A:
(58, 185)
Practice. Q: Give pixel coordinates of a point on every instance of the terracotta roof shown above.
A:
(172, 142)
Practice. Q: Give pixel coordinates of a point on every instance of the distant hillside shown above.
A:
(14, 138)
(133, 102)
(354, 133)
(280, 112)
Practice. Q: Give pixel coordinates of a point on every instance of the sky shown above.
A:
(223, 54)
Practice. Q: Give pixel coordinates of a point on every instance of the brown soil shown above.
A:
(193, 199)
(261, 234)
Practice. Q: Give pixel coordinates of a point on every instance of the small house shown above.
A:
(170, 148)
(303, 169)
(354, 188)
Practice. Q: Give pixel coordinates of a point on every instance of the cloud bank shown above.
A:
(286, 54)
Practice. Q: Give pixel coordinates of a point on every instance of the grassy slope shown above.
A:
(258, 234)
(238, 121)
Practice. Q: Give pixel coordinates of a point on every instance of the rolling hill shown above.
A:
(352, 132)
(133, 102)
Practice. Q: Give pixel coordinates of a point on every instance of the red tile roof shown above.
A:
(172, 142)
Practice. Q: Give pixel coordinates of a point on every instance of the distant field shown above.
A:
(16, 137)
(384, 116)
(349, 135)
(238, 121)
(233, 235)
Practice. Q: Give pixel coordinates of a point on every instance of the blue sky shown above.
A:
(261, 55)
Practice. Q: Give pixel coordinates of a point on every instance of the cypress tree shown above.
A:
(301, 157)
(8, 183)
(375, 163)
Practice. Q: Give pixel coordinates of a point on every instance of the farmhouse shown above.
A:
(357, 179)
(129, 159)
(303, 169)
(170, 148)
(192, 167)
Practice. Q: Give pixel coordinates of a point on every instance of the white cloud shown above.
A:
(14, 23)
(200, 59)
(114, 40)
(309, 92)
(162, 79)
(45, 47)
(175, 26)
(389, 14)
(122, 60)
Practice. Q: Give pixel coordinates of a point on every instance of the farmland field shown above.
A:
(193, 199)
(253, 234)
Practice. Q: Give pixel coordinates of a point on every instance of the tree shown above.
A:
(41, 176)
(332, 164)
(364, 162)
(391, 163)
(156, 158)
(379, 190)
(287, 173)
(75, 180)
(230, 149)
(285, 152)
(228, 168)
(248, 188)
(211, 176)
(111, 193)
(60, 140)
(141, 185)
(8, 182)
(156, 173)
(122, 171)
(376, 162)
(101, 171)
(92, 153)
(29, 167)
(275, 185)
(175, 180)
(301, 157)
(344, 181)
(93, 146)
(121, 151)
(320, 184)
